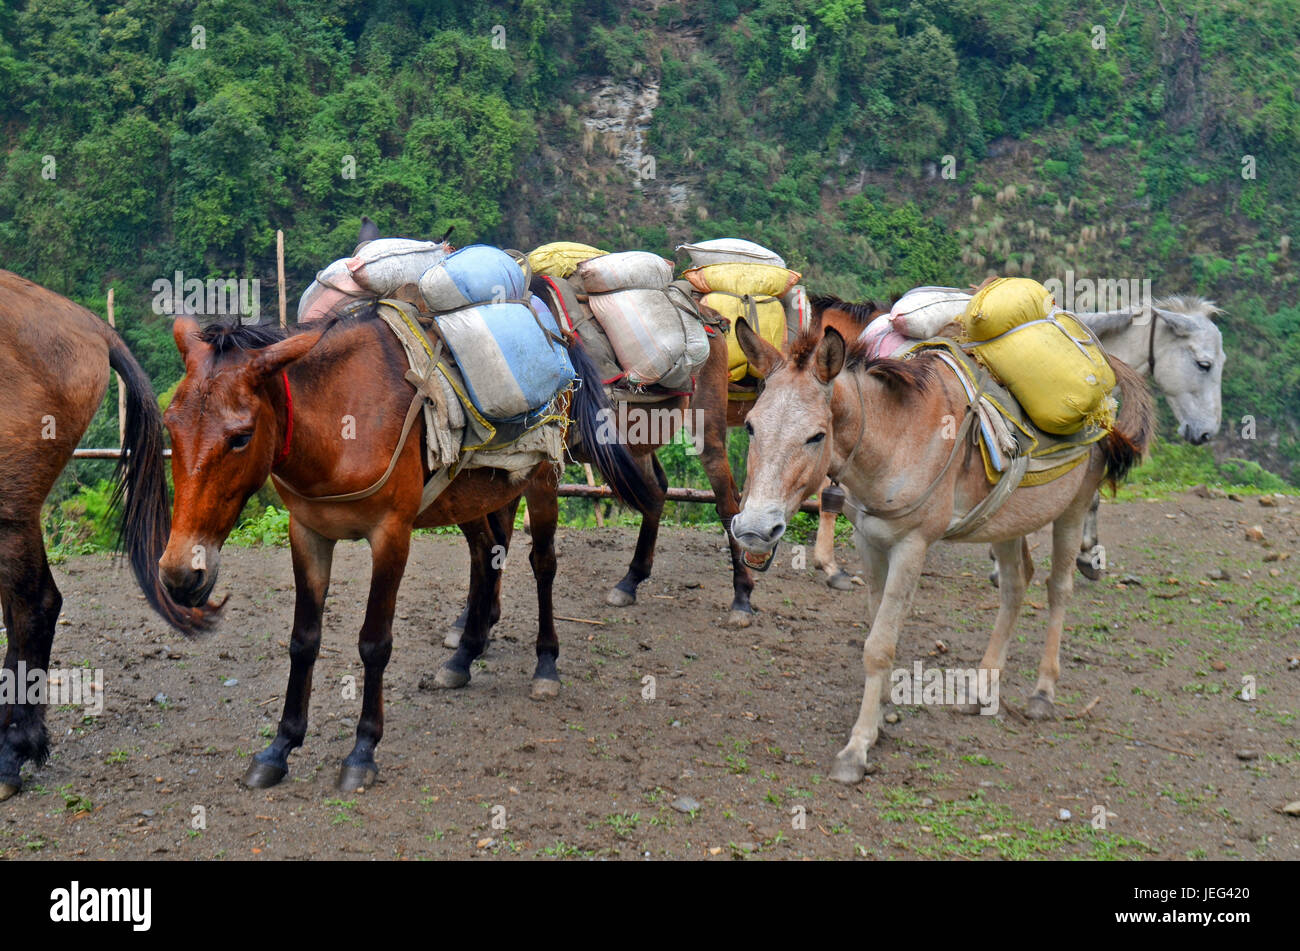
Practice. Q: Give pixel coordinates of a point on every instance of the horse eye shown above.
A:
(814, 440)
(240, 441)
(1205, 365)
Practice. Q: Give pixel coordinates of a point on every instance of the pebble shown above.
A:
(1064, 815)
(1218, 574)
(892, 717)
(1268, 501)
(1255, 533)
(1292, 808)
(686, 804)
(1247, 754)
(1219, 666)
(1131, 579)
(160, 698)
(231, 682)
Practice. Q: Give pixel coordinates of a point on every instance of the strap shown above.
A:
(987, 507)
(417, 403)
(288, 425)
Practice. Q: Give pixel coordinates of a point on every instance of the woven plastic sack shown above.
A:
(332, 288)
(767, 320)
(1006, 303)
(385, 264)
(475, 274)
(724, 250)
(734, 278)
(561, 258)
(625, 271)
(924, 311)
(655, 339)
(1054, 367)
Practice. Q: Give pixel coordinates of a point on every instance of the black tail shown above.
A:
(591, 407)
(140, 492)
(1127, 442)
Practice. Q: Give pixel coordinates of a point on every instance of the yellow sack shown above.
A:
(1005, 303)
(561, 258)
(736, 278)
(767, 318)
(1057, 372)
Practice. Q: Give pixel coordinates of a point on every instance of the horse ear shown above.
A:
(185, 331)
(762, 356)
(1180, 323)
(273, 359)
(369, 231)
(830, 356)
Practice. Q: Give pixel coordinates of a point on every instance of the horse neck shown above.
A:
(1132, 343)
(899, 438)
(343, 375)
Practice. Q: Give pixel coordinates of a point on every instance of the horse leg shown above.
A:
(313, 555)
(877, 563)
(501, 524)
(714, 458)
(31, 610)
(1060, 585)
(1092, 554)
(906, 559)
(389, 546)
(624, 593)
(824, 551)
(1014, 566)
(486, 556)
(544, 507)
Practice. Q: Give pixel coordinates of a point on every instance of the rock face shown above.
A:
(618, 115)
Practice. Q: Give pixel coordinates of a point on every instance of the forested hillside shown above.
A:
(874, 144)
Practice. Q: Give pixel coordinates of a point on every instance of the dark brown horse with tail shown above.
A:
(55, 358)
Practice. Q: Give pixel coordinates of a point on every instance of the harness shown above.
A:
(961, 526)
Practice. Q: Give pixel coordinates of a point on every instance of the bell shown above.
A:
(832, 499)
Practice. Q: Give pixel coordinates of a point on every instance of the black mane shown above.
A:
(231, 338)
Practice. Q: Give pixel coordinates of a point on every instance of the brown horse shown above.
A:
(55, 358)
(883, 429)
(717, 408)
(260, 401)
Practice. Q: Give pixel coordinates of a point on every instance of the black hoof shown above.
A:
(263, 775)
(352, 778)
(840, 581)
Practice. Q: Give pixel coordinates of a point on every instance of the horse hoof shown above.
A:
(1091, 563)
(1040, 708)
(449, 679)
(352, 778)
(619, 598)
(848, 771)
(840, 581)
(263, 775)
(739, 618)
(993, 577)
(9, 790)
(543, 689)
(451, 639)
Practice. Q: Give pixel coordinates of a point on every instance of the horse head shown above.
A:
(226, 432)
(1188, 365)
(789, 426)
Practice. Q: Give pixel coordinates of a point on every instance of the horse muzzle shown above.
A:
(190, 587)
(757, 530)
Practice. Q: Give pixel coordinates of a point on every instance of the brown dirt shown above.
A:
(744, 722)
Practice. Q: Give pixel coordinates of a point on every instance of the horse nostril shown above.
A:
(1202, 439)
(776, 531)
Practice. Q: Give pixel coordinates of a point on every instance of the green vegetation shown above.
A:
(877, 146)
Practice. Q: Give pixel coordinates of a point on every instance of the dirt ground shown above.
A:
(742, 728)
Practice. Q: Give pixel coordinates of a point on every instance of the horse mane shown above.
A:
(231, 338)
(903, 378)
(1189, 304)
(862, 311)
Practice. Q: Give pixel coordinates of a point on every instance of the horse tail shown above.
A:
(140, 492)
(595, 418)
(1128, 440)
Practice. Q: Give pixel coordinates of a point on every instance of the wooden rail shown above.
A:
(567, 489)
